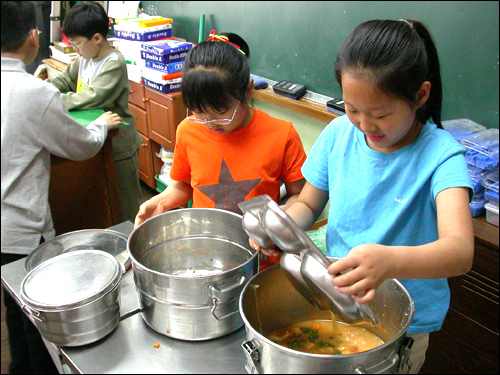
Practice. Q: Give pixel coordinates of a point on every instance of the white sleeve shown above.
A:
(67, 138)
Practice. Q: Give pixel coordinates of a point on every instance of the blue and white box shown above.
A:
(132, 35)
(166, 68)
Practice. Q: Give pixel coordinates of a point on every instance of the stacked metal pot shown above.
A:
(190, 267)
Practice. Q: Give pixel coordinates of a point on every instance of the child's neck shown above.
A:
(105, 48)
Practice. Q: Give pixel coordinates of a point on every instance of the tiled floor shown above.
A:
(147, 193)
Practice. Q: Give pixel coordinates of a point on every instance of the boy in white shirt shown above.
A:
(35, 123)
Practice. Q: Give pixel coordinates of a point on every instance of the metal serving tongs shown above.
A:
(303, 263)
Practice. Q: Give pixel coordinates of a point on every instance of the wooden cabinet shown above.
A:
(157, 117)
(468, 341)
(146, 170)
(165, 112)
(84, 194)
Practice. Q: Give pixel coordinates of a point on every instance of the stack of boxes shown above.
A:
(130, 33)
(164, 60)
(482, 161)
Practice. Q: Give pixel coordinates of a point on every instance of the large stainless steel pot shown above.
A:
(189, 268)
(74, 298)
(270, 302)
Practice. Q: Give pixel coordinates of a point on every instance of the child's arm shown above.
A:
(308, 206)
(105, 88)
(177, 193)
(293, 190)
(67, 80)
(304, 210)
(451, 255)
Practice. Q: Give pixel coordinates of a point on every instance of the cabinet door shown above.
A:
(83, 194)
(145, 162)
(136, 95)
(141, 122)
(164, 113)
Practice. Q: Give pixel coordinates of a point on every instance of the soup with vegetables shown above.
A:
(323, 337)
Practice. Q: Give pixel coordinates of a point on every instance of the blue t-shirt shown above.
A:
(388, 199)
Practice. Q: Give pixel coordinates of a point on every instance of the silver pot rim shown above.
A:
(30, 263)
(137, 264)
(112, 284)
(312, 355)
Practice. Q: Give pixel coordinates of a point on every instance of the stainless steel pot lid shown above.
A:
(70, 280)
(266, 223)
(110, 241)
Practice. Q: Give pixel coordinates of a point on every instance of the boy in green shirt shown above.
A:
(98, 79)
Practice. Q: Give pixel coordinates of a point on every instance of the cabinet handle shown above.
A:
(144, 145)
(144, 100)
(131, 92)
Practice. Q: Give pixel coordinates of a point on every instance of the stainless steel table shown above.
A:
(130, 347)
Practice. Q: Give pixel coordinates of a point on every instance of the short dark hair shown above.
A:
(86, 19)
(399, 56)
(215, 75)
(18, 19)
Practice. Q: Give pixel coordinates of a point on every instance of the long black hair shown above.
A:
(399, 56)
(215, 75)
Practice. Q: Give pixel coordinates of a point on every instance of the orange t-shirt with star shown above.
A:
(230, 168)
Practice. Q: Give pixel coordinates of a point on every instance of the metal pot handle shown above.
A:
(404, 353)
(33, 313)
(214, 307)
(228, 291)
(253, 357)
(224, 294)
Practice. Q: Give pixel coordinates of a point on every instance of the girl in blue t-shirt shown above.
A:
(397, 184)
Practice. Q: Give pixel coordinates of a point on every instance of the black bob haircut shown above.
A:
(18, 19)
(215, 75)
(399, 56)
(86, 19)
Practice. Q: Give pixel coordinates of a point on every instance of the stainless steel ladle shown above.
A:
(303, 263)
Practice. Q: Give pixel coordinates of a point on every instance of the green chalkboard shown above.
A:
(298, 41)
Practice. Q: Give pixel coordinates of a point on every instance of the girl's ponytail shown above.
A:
(433, 106)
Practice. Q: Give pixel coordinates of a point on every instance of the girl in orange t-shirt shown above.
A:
(227, 151)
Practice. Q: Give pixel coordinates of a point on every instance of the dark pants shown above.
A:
(27, 350)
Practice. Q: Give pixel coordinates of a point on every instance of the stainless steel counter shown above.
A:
(130, 347)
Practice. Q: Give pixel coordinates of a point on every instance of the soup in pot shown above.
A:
(323, 337)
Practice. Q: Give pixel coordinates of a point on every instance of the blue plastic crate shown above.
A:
(462, 127)
(482, 149)
(477, 204)
(477, 175)
(490, 183)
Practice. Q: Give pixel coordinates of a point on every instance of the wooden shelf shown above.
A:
(56, 64)
(303, 106)
(485, 232)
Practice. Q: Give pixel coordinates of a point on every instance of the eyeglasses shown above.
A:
(79, 48)
(217, 121)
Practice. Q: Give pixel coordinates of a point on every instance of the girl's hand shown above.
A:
(112, 119)
(371, 265)
(268, 252)
(149, 209)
